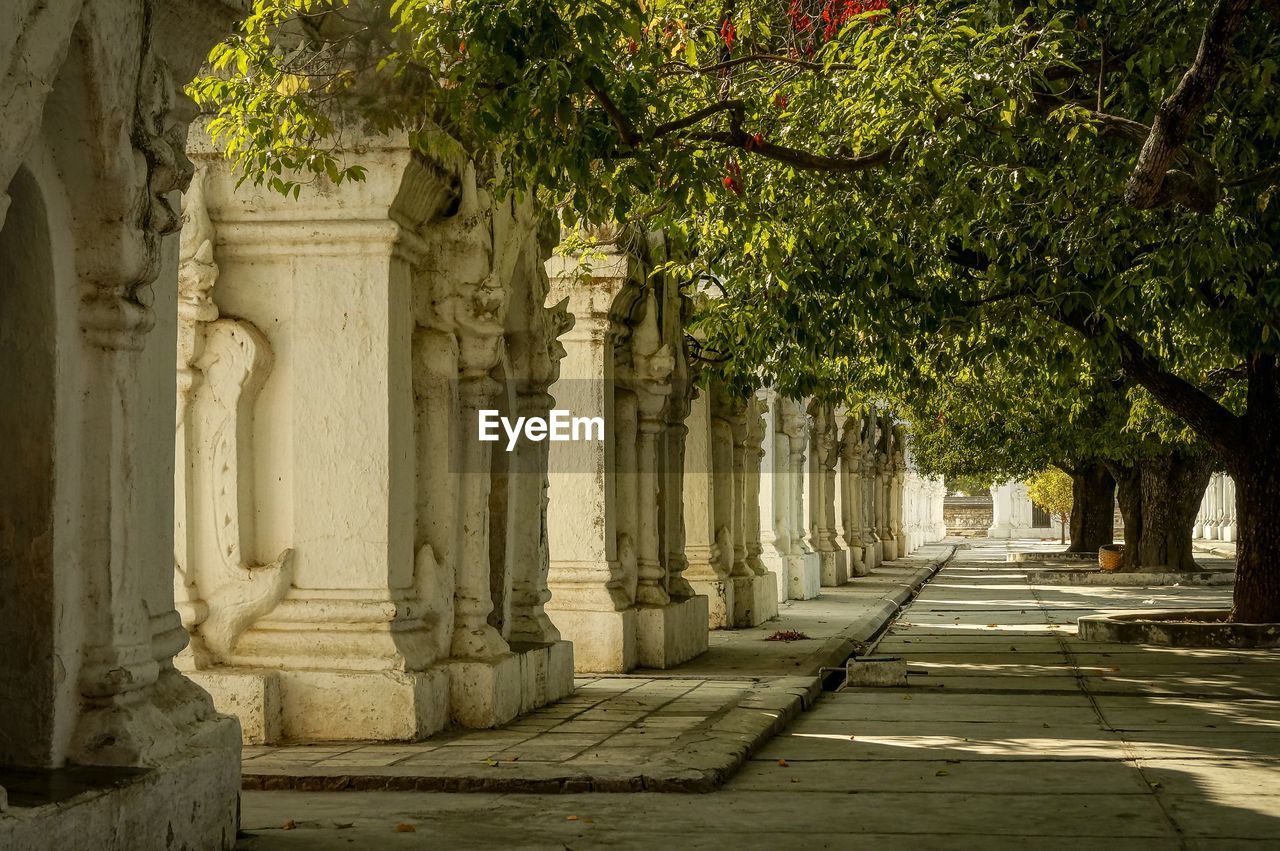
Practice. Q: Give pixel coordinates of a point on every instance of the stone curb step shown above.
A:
(708, 757)
(700, 761)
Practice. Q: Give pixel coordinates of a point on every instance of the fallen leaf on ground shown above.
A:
(343, 825)
(782, 762)
(570, 818)
(289, 825)
(941, 772)
(405, 827)
(490, 761)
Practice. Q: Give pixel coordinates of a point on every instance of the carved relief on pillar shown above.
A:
(535, 352)
(677, 309)
(781, 478)
(644, 368)
(795, 424)
(757, 409)
(479, 247)
(222, 363)
(870, 440)
(850, 452)
(898, 472)
(823, 464)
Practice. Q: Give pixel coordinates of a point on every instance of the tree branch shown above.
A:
(1197, 190)
(1177, 114)
(777, 58)
(1205, 415)
(732, 106)
(805, 160)
(625, 129)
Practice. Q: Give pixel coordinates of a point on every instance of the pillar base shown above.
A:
(719, 594)
(766, 591)
(879, 551)
(778, 569)
(485, 692)
(833, 568)
(546, 673)
(755, 600)
(187, 800)
(805, 576)
(890, 549)
(330, 705)
(603, 642)
(671, 634)
(857, 562)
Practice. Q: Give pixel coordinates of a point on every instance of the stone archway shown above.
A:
(28, 585)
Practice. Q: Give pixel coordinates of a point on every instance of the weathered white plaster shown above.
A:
(90, 161)
(1012, 514)
(1216, 520)
(620, 573)
(823, 459)
(386, 568)
(804, 570)
(775, 483)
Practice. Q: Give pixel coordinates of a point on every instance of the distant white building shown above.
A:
(1014, 515)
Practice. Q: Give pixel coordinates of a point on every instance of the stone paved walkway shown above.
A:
(683, 730)
(1018, 736)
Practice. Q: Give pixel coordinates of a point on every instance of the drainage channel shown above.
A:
(834, 679)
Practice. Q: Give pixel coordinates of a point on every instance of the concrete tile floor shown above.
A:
(1176, 749)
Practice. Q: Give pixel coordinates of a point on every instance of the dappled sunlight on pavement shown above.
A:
(1013, 733)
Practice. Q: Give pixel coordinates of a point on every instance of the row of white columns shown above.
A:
(857, 502)
(354, 561)
(1216, 520)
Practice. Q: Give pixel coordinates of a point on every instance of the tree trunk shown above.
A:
(1129, 495)
(1093, 506)
(1247, 443)
(1173, 484)
(1257, 595)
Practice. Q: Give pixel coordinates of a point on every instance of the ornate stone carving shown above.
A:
(222, 364)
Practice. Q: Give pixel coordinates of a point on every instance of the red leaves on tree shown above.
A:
(835, 14)
(800, 20)
(780, 101)
(733, 179)
(728, 33)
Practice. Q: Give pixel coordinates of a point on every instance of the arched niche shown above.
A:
(28, 585)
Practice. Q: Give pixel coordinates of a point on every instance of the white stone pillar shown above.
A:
(1228, 508)
(850, 471)
(832, 560)
(775, 536)
(708, 568)
(802, 561)
(90, 165)
(1001, 511)
(897, 480)
(764, 581)
(610, 586)
(403, 596)
(873, 546)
